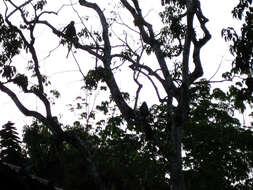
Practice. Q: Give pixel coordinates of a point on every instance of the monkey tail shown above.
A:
(69, 49)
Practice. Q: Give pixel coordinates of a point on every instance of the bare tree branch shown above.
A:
(125, 109)
(149, 38)
(30, 46)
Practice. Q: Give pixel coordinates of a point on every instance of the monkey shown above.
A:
(144, 109)
(70, 30)
(70, 33)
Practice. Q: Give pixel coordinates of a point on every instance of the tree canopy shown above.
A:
(154, 121)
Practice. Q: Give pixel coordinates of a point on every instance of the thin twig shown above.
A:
(78, 65)
(217, 69)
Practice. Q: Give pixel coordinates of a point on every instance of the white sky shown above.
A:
(218, 12)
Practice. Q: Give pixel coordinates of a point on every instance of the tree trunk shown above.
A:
(176, 173)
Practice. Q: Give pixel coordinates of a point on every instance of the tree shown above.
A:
(118, 156)
(44, 152)
(176, 86)
(218, 150)
(169, 77)
(177, 115)
(241, 48)
(13, 40)
(11, 151)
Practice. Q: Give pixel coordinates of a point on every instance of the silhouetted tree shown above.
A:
(11, 150)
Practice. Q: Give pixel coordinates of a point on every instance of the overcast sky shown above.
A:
(219, 14)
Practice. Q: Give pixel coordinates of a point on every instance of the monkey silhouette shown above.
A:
(70, 33)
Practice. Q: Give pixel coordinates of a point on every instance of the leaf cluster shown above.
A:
(10, 42)
(95, 76)
(173, 32)
(242, 45)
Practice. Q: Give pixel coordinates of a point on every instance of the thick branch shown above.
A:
(137, 66)
(20, 106)
(154, 85)
(126, 111)
(187, 44)
(29, 113)
(105, 27)
(149, 38)
(198, 44)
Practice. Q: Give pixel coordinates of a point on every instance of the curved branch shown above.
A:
(125, 109)
(30, 46)
(87, 48)
(154, 85)
(150, 72)
(137, 66)
(20, 106)
(105, 27)
(140, 22)
(198, 44)
(149, 38)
